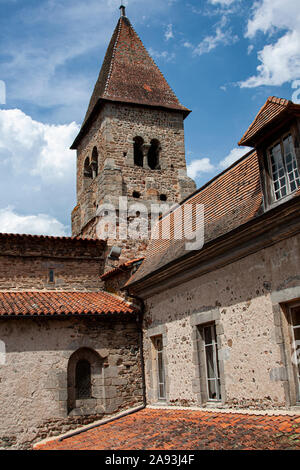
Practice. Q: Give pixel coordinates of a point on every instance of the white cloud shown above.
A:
(37, 169)
(41, 224)
(233, 156)
(169, 32)
(197, 167)
(222, 2)
(222, 36)
(33, 147)
(40, 59)
(164, 55)
(280, 60)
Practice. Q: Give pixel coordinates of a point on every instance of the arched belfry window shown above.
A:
(153, 154)
(138, 151)
(83, 383)
(94, 164)
(87, 171)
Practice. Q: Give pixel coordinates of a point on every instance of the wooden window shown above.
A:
(160, 369)
(213, 383)
(283, 168)
(295, 326)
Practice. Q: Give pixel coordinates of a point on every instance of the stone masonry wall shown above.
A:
(113, 133)
(33, 380)
(252, 349)
(25, 264)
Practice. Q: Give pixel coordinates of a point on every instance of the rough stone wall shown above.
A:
(112, 133)
(33, 380)
(252, 350)
(25, 264)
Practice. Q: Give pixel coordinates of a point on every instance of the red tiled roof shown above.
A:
(270, 111)
(129, 75)
(171, 429)
(121, 268)
(61, 303)
(230, 200)
(48, 237)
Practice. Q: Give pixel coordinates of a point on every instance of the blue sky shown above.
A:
(223, 58)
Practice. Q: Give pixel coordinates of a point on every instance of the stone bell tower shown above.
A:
(131, 142)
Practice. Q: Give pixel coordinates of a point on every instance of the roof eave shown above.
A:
(291, 110)
(102, 101)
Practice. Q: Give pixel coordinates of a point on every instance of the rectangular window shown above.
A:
(51, 275)
(209, 337)
(284, 169)
(295, 325)
(158, 344)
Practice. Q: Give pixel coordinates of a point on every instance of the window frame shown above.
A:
(274, 143)
(159, 353)
(296, 367)
(216, 361)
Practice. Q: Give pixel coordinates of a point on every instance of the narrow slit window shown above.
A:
(295, 324)
(158, 343)
(83, 379)
(51, 275)
(212, 363)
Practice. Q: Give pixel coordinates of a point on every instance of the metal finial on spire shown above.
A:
(122, 8)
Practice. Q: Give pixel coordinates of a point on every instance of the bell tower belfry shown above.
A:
(131, 142)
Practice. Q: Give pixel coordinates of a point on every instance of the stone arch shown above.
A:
(94, 162)
(138, 154)
(153, 154)
(85, 370)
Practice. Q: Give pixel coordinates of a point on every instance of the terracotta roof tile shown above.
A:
(270, 111)
(61, 303)
(230, 200)
(173, 429)
(129, 75)
(121, 268)
(48, 237)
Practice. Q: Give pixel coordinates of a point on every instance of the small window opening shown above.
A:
(51, 275)
(94, 164)
(213, 381)
(83, 379)
(138, 151)
(161, 381)
(284, 169)
(295, 324)
(153, 155)
(87, 169)
(136, 194)
(163, 197)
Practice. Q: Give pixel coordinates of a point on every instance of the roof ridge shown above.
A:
(113, 56)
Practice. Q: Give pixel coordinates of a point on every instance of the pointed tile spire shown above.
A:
(129, 75)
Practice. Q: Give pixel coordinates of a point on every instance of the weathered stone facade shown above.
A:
(25, 264)
(246, 301)
(113, 133)
(34, 379)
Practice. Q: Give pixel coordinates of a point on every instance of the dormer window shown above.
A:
(283, 168)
